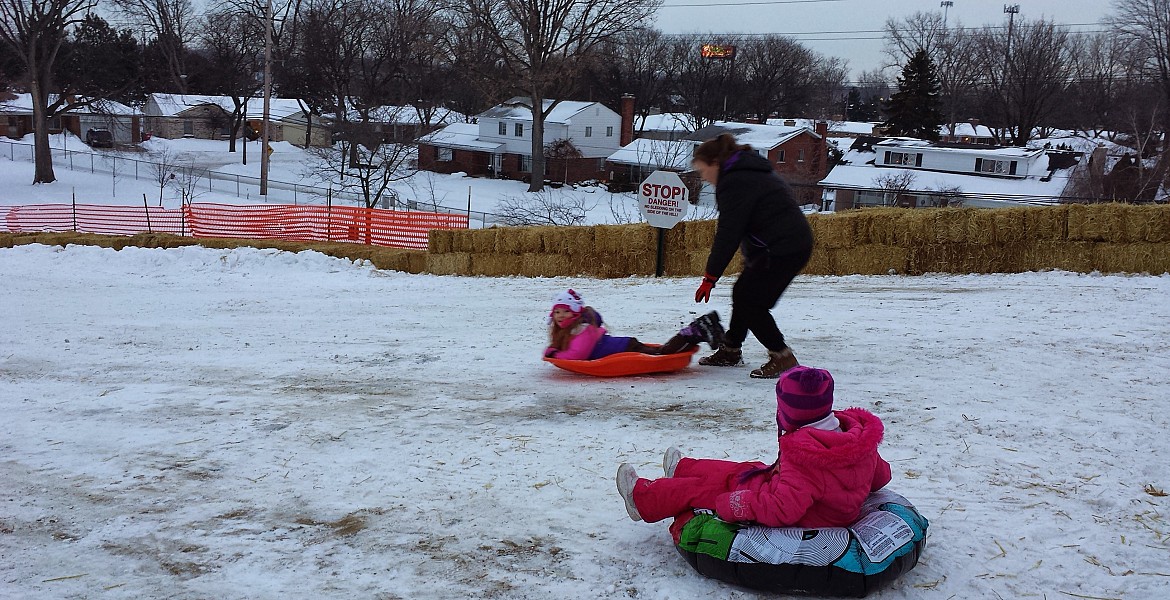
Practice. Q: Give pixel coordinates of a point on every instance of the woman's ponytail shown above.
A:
(717, 150)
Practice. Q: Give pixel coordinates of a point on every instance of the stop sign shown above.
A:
(663, 199)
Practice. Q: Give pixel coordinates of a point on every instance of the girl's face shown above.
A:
(561, 315)
(708, 171)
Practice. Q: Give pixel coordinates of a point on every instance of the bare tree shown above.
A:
(953, 50)
(235, 60)
(894, 186)
(367, 171)
(547, 43)
(162, 169)
(544, 208)
(780, 76)
(171, 23)
(186, 182)
(1147, 24)
(1027, 71)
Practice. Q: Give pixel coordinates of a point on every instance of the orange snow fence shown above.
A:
(306, 223)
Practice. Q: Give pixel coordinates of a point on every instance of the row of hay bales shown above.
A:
(1084, 238)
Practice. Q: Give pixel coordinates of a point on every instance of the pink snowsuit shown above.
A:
(820, 481)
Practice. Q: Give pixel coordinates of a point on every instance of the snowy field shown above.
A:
(197, 423)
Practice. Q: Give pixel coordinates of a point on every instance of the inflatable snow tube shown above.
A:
(627, 363)
(834, 561)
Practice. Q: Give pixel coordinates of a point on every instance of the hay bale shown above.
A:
(820, 263)
(1047, 223)
(1066, 256)
(451, 263)
(1153, 222)
(439, 240)
(870, 259)
(624, 239)
(836, 231)
(883, 225)
(1086, 223)
(1010, 225)
(698, 235)
(1134, 257)
(547, 265)
(981, 228)
(483, 241)
(495, 265)
(952, 224)
(461, 240)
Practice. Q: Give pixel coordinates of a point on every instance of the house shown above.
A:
(916, 173)
(967, 133)
(174, 116)
(404, 124)
(635, 161)
(124, 122)
(799, 154)
(500, 142)
(836, 130)
(664, 126)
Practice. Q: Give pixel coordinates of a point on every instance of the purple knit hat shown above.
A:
(803, 395)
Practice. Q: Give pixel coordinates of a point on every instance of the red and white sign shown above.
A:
(663, 199)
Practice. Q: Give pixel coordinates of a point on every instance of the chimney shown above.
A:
(627, 132)
(790, 122)
(822, 129)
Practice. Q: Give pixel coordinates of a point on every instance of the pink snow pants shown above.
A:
(696, 484)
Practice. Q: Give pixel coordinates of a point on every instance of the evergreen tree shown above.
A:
(100, 62)
(914, 110)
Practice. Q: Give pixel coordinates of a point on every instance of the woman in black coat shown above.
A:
(758, 215)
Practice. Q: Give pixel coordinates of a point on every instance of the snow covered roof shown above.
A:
(851, 128)
(464, 136)
(1039, 185)
(967, 130)
(172, 105)
(655, 153)
(519, 108)
(22, 103)
(407, 115)
(763, 137)
(664, 122)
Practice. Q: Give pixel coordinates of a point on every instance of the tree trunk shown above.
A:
(538, 163)
(43, 154)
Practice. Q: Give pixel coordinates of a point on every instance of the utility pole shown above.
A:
(946, 6)
(267, 98)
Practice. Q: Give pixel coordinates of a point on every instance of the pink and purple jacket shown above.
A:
(821, 480)
(589, 342)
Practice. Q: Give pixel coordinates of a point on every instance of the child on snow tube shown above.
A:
(827, 466)
(576, 332)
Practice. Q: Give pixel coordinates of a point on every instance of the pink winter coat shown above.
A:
(585, 337)
(821, 481)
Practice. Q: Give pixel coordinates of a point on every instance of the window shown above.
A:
(780, 156)
(446, 154)
(609, 132)
(800, 155)
(995, 167)
(909, 159)
(588, 132)
(519, 130)
(525, 163)
(503, 128)
(188, 127)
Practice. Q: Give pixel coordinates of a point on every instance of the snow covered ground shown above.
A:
(90, 180)
(197, 423)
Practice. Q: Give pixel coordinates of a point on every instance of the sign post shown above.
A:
(663, 202)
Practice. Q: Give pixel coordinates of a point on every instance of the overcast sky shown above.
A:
(803, 18)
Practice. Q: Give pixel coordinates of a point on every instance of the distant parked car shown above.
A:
(99, 138)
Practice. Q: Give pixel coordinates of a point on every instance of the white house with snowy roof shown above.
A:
(123, 122)
(404, 123)
(915, 173)
(499, 143)
(175, 116)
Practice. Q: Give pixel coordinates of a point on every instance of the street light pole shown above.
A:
(1011, 10)
(267, 98)
(946, 6)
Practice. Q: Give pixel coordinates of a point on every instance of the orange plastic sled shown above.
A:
(627, 363)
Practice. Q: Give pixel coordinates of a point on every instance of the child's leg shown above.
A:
(696, 484)
(636, 346)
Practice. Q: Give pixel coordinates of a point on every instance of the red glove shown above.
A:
(703, 294)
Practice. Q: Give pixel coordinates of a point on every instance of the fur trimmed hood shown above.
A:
(861, 432)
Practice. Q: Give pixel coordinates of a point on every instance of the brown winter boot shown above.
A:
(725, 356)
(779, 361)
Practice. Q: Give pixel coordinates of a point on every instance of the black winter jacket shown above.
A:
(757, 213)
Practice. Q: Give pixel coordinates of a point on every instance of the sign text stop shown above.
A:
(663, 199)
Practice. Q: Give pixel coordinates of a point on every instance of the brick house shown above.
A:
(174, 116)
(499, 143)
(124, 122)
